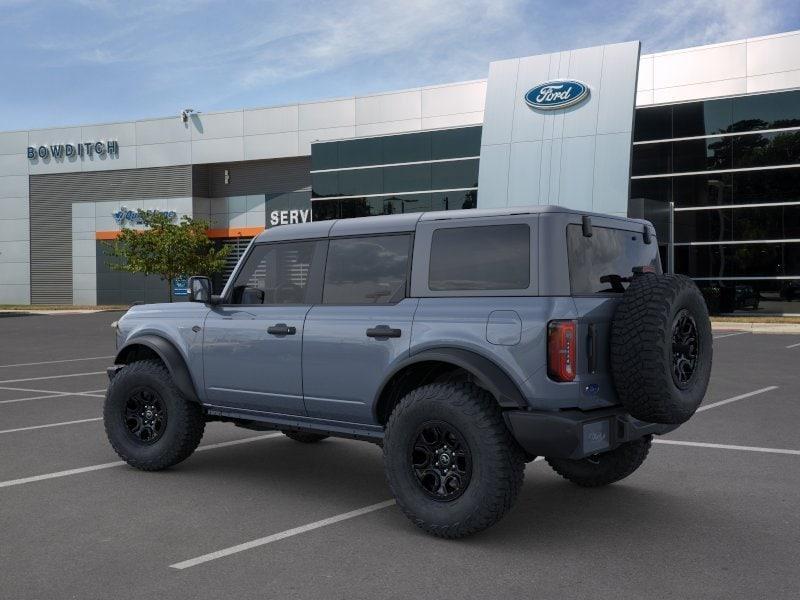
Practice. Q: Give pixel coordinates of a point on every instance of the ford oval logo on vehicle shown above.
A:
(556, 94)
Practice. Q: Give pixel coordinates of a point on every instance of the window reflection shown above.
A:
(728, 115)
(738, 260)
(344, 208)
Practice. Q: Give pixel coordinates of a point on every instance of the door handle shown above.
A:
(383, 331)
(281, 329)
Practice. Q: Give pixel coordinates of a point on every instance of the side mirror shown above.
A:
(200, 290)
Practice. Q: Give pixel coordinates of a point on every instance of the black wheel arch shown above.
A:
(145, 346)
(489, 376)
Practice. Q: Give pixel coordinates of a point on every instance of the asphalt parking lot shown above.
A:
(713, 513)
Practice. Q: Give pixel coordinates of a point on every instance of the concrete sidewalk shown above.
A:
(755, 326)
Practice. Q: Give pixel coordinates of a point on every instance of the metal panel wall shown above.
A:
(257, 177)
(577, 156)
(51, 198)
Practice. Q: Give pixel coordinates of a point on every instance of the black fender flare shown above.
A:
(494, 379)
(169, 355)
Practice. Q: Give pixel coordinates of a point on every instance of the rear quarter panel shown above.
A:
(462, 323)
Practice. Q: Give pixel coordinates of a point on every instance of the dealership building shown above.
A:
(704, 141)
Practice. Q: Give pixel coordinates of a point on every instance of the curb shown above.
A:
(17, 311)
(756, 327)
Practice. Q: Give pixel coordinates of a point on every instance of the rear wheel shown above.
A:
(148, 422)
(450, 460)
(603, 469)
(304, 436)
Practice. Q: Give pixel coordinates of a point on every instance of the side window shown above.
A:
(366, 270)
(275, 274)
(486, 257)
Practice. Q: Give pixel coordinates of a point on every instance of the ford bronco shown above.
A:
(465, 343)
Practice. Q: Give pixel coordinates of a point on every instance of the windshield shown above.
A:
(604, 262)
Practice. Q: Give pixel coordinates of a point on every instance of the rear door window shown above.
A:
(367, 270)
(604, 262)
(486, 257)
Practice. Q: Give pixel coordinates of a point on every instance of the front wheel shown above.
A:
(450, 460)
(149, 423)
(603, 469)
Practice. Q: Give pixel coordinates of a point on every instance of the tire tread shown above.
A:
(189, 416)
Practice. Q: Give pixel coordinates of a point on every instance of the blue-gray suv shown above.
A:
(466, 343)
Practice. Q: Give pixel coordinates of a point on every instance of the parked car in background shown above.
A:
(790, 291)
(746, 297)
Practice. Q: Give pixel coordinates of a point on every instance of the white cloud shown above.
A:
(675, 24)
(221, 54)
(423, 31)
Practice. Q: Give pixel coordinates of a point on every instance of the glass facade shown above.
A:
(731, 169)
(413, 172)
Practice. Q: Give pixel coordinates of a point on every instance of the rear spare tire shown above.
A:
(661, 348)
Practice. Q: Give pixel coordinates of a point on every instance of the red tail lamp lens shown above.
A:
(561, 342)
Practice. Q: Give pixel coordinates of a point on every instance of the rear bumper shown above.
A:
(575, 433)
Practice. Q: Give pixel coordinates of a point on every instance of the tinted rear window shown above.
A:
(490, 257)
(608, 252)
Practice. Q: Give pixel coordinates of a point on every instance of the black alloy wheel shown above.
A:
(441, 461)
(145, 415)
(451, 462)
(685, 348)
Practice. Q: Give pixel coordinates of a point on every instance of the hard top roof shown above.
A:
(403, 222)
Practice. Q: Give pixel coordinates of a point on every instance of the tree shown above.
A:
(166, 248)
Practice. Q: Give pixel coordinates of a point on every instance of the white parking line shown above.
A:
(51, 425)
(282, 535)
(728, 447)
(289, 533)
(50, 362)
(119, 463)
(793, 346)
(52, 377)
(724, 335)
(735, 398)
(49, 394)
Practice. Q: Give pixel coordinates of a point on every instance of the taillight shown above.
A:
(561, 342)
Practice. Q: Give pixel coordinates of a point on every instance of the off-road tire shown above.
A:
(605, 468)
(305, 437)
(184, 427)
(498, 463)
(642, 350)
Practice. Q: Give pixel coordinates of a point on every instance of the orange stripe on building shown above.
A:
(230, 232)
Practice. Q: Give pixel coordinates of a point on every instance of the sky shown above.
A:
(73, 62)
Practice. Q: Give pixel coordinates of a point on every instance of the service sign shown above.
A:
(553, 95)
(289, 217)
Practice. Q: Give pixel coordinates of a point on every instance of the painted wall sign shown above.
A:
(110, 147)
(556, 94)
(131, 217)
(287, 217)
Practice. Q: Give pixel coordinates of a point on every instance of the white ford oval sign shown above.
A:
(556, 94)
